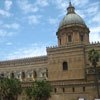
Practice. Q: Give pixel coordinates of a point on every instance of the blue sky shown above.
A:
(27, 27)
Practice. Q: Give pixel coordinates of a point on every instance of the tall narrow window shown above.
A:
(12, 75)
(55, 90)
(43, 74)
(23, 75)
(46, 72)
(98, 74)
(69, 38)
(73, 89)
(35, 74)
(83, 89)
(63, 89)
(60, 41)
(81, 38)
(30, 75)
(18, 76)
(65, 66)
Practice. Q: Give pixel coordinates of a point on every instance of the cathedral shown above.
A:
(65, 66)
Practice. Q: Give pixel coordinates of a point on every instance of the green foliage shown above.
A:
(29, 92)
(10, 88)
(41, 90)
(93, 56)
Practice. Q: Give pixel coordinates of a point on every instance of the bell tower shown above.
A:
(72, 29)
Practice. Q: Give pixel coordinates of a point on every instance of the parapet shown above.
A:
(24, 60)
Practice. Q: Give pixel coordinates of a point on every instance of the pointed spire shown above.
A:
(70, 4)
(70, 9)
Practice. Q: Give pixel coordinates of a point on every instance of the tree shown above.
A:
(41, 90)
(10, 88)
(29, 93)
(93, 56)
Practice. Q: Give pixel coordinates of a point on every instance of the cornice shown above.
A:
(64, 83)
(72, 26)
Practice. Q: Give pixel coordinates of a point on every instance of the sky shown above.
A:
(27, 27)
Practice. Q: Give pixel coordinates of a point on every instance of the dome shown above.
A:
(72, 18)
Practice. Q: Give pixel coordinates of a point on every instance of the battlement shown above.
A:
(54, 47)
(94, 43)
(24, 60)
(64, 46)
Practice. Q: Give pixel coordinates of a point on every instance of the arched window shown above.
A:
(18, 76)
(2, 74)
(69, 38)
(83, 89)
(60, 41)
(55, 90)
(30, 75)
(73, 89)
(23, 75)
(81, 38)
(46, 72)
(35, 74)
(63, 89)
(65, 66)
(12, 75)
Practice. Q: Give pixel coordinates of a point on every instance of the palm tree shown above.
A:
(93, 56)
(10, 88)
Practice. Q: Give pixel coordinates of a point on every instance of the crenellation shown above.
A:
(94, 43)
(24, 61)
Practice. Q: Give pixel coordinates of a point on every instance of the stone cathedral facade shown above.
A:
(65, 66)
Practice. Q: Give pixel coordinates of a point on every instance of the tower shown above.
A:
(67, 60)
(72, 29)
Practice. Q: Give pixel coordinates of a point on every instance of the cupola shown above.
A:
(72, 29)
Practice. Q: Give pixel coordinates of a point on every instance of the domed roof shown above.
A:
(71, 17)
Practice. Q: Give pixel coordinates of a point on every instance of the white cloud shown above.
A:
(5, 13)
(34, 50)
(95, 34)
(60, 4)
(13, 26)
(4, 33)
(8, 4)
(53, 20)
(9, 43)
(80, 3)
(33, 19)
(97, 18)
(26, 6)
(93, 4)
(42, 3)
(80, 13)
(92, 10)
(88, 9)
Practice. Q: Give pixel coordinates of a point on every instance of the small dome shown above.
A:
(72, 18)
